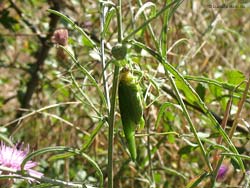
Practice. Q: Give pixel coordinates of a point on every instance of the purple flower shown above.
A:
(12, 157)
(222, 172)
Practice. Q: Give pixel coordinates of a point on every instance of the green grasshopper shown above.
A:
(131, 108)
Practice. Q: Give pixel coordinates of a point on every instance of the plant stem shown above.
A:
(240, 106)
(217, 163)
(192, 127)
(149, 156)
(111, 127)
(223, 125)
(102, 53)
(113, 103)
(119, 20)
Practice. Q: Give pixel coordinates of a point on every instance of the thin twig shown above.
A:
(240, 106)
(223, 125)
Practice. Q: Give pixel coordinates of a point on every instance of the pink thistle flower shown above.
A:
(60, 36)
(12, 157)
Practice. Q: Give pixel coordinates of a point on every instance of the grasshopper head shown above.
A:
(125, 75)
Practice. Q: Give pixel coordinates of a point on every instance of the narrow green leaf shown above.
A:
(224, 85)
(90, 138)
(195, 182)
(109, 16)
(246, 157)
(60, 156)
(174, 172)
(144, 7)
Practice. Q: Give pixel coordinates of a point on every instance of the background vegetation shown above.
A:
(191, 61)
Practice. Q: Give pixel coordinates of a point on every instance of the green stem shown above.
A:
(217, 83)
(113, 103)
(190, 121)
(111, 127)
(216, 170)
(119, 20)
(150, 157)
(102, 53)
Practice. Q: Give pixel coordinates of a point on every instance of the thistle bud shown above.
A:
(60, 36)
(119, 51)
